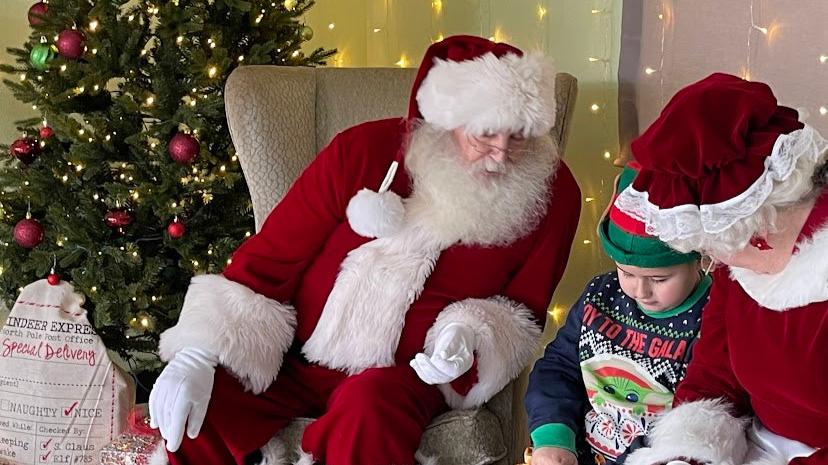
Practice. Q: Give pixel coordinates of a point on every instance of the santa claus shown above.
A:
(728, 171)
(374, 311)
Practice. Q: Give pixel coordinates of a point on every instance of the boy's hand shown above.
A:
(553, 456)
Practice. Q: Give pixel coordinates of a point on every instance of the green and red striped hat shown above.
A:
(625, 239)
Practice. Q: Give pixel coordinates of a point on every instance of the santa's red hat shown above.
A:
(713, 156)
(484, 86)
(473, 83)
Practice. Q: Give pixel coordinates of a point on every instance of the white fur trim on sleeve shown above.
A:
(490, 94)
(506, 335)
(249, 332)
(703, 430)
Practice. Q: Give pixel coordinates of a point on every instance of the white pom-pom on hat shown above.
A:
(377, 214)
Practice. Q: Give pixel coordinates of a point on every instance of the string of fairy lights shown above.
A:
(759, 32)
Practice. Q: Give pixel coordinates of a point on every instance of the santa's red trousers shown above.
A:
(376, 417)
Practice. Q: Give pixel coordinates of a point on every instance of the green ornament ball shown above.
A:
(306, 33)
(41, 55)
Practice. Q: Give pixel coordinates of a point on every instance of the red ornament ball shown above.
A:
(46, 132)
(176, 229)
(25, 149)
(28, 233)
(183, 148)
(36, 10)
(53, 279)
(118, 218)
(70, 43)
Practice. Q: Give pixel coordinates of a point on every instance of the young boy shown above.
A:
(626, 343)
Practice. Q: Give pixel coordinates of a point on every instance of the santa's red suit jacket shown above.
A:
(386, 294)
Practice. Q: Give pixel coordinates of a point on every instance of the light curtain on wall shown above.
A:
(671, 44)
(583, 38)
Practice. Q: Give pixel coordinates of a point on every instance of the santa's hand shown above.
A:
(453, 355)
(182, 392)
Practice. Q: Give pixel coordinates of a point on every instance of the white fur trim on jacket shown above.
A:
(803, 281)
(274, 452)
(305, 458)
(249, 332)
(703, 430)
(490, 94)
(364, 315)
(507, 336)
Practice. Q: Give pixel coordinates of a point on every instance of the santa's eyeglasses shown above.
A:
(485, 144)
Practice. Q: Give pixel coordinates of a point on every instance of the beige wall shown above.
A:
(14, 31)
(704, 36)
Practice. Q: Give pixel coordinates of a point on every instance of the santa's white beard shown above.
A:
(484, 202)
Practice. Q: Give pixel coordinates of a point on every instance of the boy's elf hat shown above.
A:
(625, 240)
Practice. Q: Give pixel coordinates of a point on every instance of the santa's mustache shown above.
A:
(493, 166)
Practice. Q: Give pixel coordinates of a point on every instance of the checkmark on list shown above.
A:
(46, 444)
(45, 456)
(68, 411)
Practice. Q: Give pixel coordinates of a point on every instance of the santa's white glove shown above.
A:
(181, 392)
(453, 355)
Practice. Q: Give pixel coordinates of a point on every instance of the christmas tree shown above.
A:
(128, 184)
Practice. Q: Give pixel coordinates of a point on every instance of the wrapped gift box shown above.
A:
(134, 449)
